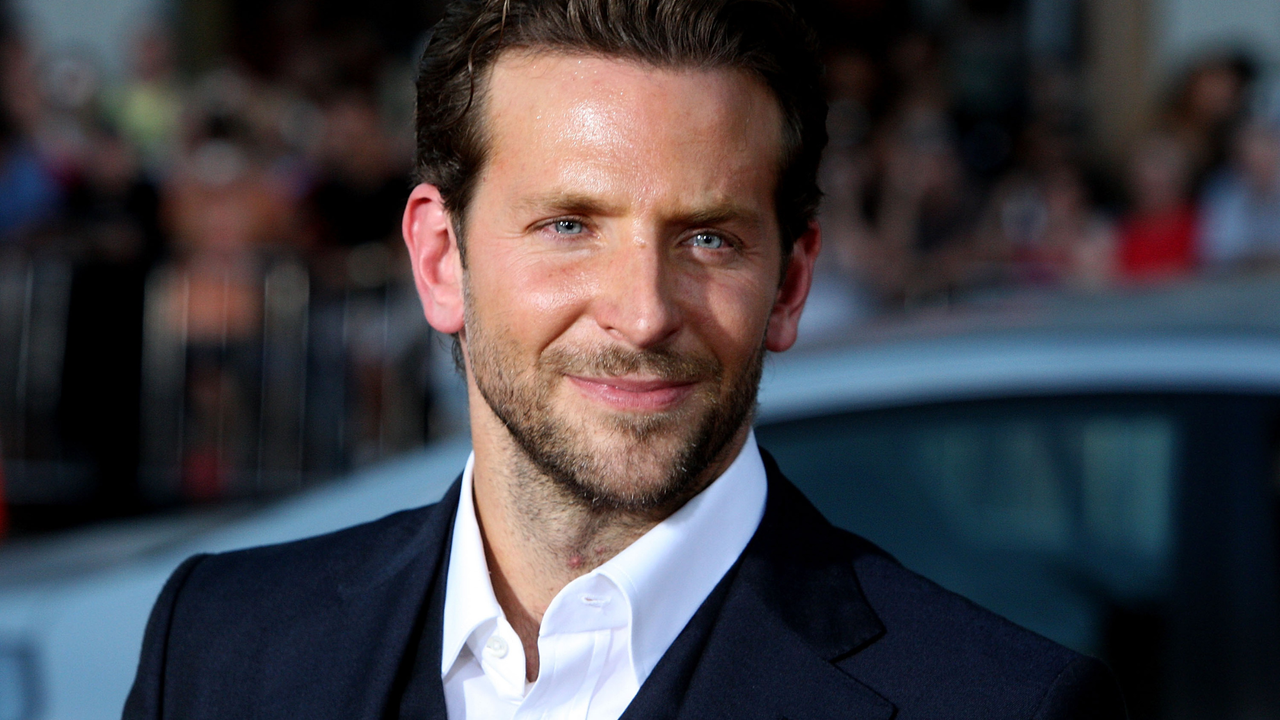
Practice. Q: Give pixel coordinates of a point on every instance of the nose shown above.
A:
(635, 302)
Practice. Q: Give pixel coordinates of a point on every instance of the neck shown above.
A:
(538, 537)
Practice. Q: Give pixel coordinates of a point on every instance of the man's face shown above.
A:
(623, 262)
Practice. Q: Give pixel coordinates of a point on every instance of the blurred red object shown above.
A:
(1159, 246)
(1158, 238)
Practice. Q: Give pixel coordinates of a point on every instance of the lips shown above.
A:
(634, 394)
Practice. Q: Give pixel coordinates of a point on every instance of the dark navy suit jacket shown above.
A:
(812, 622)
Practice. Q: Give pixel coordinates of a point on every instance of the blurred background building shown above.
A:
(203, 295)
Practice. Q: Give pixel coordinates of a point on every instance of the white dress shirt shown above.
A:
(604, 632)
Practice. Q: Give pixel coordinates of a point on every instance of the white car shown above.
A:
(1100, 470)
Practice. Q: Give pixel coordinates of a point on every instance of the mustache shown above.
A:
(613, 361)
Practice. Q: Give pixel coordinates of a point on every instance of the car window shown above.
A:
(1044, 510)
(1049, 483)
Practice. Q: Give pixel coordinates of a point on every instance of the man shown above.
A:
(616, 221)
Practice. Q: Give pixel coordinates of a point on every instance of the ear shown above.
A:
(437, 262)
(784, 319)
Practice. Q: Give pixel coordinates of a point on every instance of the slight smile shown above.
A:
(633, 394)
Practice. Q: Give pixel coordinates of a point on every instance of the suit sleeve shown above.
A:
(145, 701)
(1085, 689)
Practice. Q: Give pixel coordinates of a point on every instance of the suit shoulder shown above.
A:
(225, 622)
(942, 655)
(302, 567)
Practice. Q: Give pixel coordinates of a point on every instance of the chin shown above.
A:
(634, 469)
(604, 456)
(630, 461)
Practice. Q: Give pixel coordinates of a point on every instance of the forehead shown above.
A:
(625, 125)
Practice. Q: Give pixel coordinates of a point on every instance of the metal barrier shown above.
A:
(255, 380)
(317, 383)
(34, 301)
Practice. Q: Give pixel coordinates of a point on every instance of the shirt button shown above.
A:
(497, 646)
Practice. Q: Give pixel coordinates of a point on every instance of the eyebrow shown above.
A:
(715, 213)
(568, 204)
(720, 213)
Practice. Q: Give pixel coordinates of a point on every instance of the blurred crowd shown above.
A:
(200, 169)
(227, 232)
(942, 187)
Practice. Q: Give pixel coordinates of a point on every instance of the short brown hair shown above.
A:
(766, 38)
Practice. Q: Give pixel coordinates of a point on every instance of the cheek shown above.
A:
(527, 295)
(729, 314)
(554, 289)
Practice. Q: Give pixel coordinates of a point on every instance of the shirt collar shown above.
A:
(665, 575)
(671, 569)
(469, 602)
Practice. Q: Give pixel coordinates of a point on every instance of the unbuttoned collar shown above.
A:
(663, 577)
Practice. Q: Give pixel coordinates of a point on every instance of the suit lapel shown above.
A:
(387, 609)
(423, 696)
(792, 609)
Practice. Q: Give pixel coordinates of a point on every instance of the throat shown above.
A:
(536, 542)
(532, 556)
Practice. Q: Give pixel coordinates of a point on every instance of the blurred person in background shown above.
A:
(1207, 107)
(30, 194)
(110, 234)
(844, 292)
(362, 184)
(71, 87)
(1160, 233)
(353, 212)
(227, 210)
(1241, 226)
(147, 106)
(227, 196)
(927, 209)
(1043, 228)
(112, 219)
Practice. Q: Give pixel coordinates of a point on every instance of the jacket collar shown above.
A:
(802, 569)
(793, 607)
(394, 608)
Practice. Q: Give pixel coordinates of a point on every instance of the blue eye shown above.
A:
(569, 227)
(708, 241)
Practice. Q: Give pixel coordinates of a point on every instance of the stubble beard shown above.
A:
(650, 461)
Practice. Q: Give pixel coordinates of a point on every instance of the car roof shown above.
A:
(1208, 336)
(1235, 304)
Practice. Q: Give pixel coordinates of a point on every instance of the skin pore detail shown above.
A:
(621, 290)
